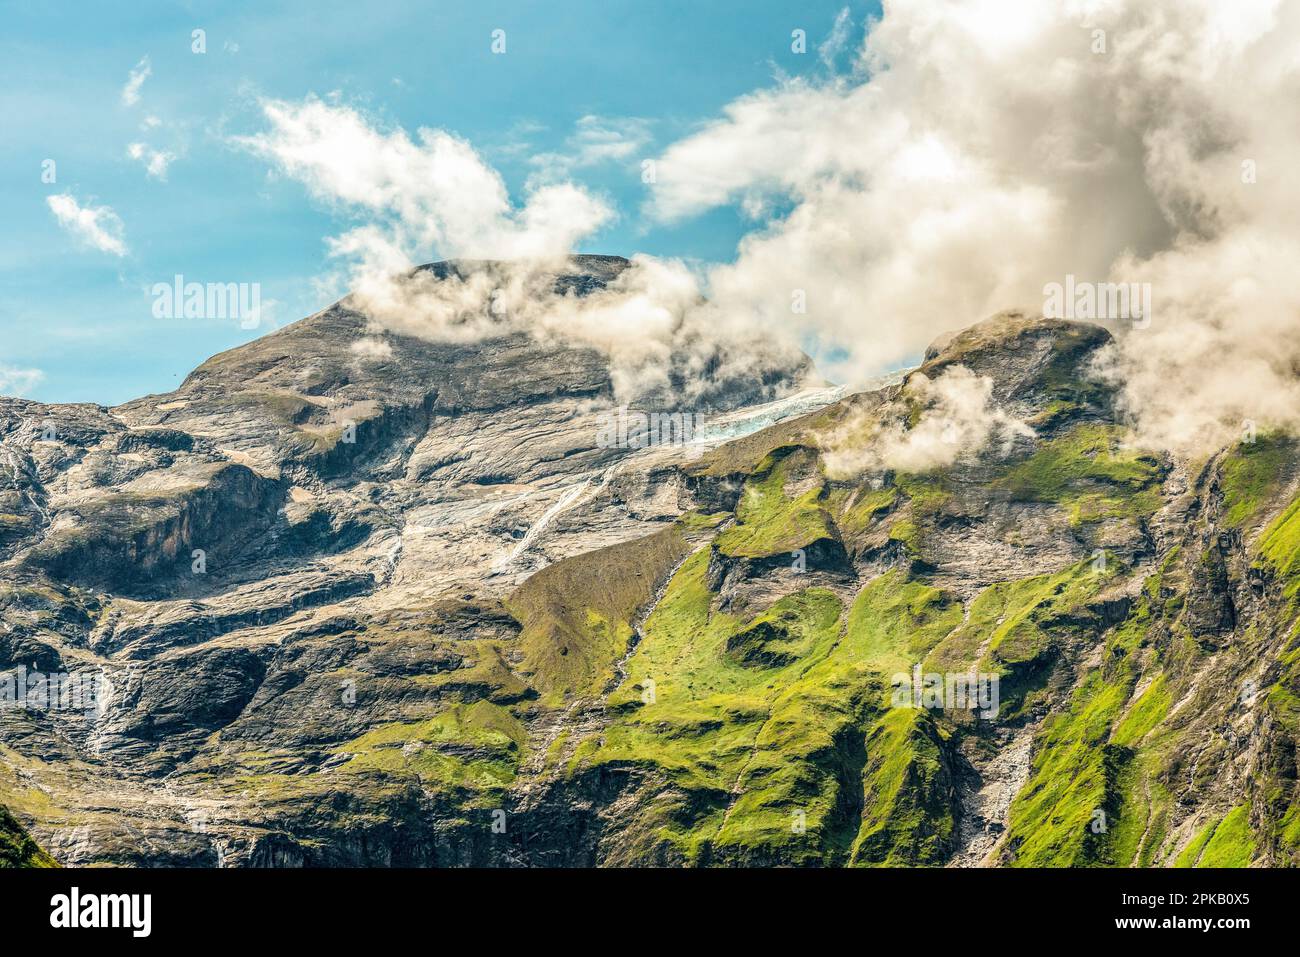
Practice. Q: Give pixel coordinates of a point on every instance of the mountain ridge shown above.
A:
(473, 636)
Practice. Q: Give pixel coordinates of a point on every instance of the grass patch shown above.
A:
(1066, 812)
(576, 614)
(1232, 844)
(1087, 472)
(1251, 476)
(1221, 843)
(474, 747)
(17, 849)
(770, 520)
(907, 818)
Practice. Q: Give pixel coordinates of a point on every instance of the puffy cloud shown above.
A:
(979, 151)
(135, 79)
(982, 150)
(660, 336)
(955, 420)
(431, 193)
(18, 382)
(372, 348)
(97, 226)
(596, 140)
(432, 196)
(155, 161)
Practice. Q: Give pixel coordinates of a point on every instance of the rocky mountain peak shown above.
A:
(349, 603)
(1030, 360)
(581, 274)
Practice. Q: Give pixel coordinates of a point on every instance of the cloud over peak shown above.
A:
(976, 153)
(982, 150)
(427, 195)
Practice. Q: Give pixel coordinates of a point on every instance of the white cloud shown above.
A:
(139, 73)
(155, 161)
(429, 194)
(596, 140)
(97, 226)
(432, 196)
(980, 150)
(18, 382)
(957, 421)
(649, 321)
(600, 140)
(837, 40)
(372, 348)
(985, 148)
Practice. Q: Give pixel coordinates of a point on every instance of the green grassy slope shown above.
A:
(17, 849)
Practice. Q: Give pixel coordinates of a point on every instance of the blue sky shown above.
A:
(82, 316)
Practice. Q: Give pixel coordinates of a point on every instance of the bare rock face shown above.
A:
(305, 542)
(399, 605)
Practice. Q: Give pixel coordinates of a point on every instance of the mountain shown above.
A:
(370, 606)
(17, 849)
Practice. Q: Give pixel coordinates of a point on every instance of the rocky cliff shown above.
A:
(400, 606)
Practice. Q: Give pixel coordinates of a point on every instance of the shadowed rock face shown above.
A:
(400, 607)
(298, 524)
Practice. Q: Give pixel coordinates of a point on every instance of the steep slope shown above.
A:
(17, 849)
(291, 575)
(475, 635)
(1137, 611)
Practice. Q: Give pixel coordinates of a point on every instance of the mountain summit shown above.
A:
(396, 604)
